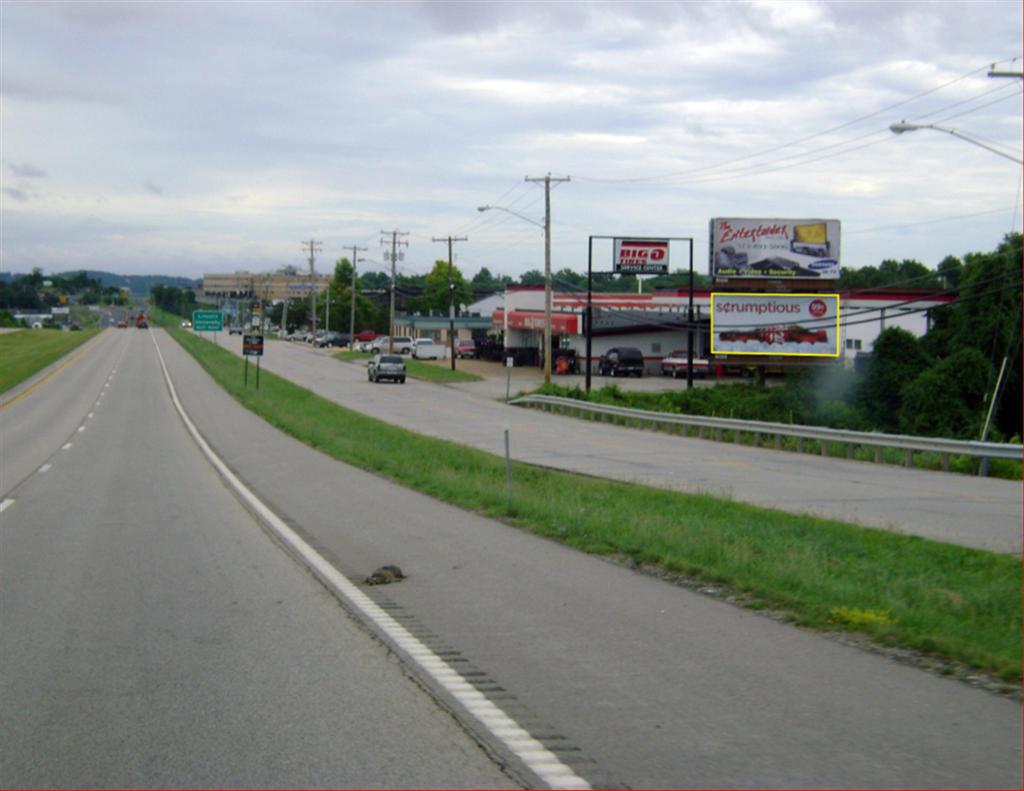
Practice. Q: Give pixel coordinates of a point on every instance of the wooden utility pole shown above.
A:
(395, 241)
(314, 247)
(352, 317)
(451, 293)
(547, 268)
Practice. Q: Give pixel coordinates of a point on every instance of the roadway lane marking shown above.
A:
(45, 468)
(541, 761)
(89, 416)
(5, 505)
(81, 428)
(65, 446)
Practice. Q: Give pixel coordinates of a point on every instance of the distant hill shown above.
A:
(136, 284)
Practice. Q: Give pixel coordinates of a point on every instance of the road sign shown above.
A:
(252, 345)
(207, 321)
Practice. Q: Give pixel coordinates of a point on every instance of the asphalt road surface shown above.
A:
(631, 681)
(152, 635)
(973, 511)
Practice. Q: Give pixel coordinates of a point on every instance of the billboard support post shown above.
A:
(590, 307)
(689, 324)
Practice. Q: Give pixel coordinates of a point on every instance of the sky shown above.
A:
(183, 138)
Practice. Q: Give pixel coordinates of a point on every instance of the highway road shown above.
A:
(629, 680)
(152, 635)
(979, 512)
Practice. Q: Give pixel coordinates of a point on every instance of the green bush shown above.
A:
(948, 399)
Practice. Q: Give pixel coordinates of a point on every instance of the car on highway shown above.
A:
(386, 366)
(621, 361)
(675, 365)
(235, 329)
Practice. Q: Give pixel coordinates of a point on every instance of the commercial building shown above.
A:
(657, 323)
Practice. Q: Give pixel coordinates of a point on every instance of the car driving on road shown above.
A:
(386, 366)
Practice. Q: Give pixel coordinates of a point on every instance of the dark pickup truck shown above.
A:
(625, 361)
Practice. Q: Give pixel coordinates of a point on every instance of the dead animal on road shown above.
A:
(385, 575)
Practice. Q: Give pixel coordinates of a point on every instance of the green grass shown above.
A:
(418, 369)
(949, 601)
(26, 352)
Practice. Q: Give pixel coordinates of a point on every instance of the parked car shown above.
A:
(465, 349)
(675, 365)
(235, 329)
(402, 345)
(332, 338)
(428, 349)
(624, 361)
(386, 366)
(365, 335)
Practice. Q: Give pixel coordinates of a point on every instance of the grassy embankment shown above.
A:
(418, 369)
(749, 402)
(947, 601)
(27, 352)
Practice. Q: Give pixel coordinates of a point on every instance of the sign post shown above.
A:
(252, 346)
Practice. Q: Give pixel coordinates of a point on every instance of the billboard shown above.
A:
(792, 325)
(641, 257)
(758, 248)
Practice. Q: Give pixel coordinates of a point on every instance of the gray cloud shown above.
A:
(27, 171)
(16, 194)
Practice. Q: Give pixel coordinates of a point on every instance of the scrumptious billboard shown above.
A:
(758, 248)
(798, 325)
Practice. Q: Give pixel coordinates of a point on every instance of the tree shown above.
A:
(949, 398)
(896, 359)
(532, 277)
(438, 283)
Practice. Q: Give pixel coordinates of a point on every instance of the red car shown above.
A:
(465, 349)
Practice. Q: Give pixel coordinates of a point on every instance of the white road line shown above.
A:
(65, 446)
(544, 763)
(45, 468)
(5, 505)
(81, 428)
(89, 416)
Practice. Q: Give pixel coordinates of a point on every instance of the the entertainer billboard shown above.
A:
(801, 325)
(749, 248)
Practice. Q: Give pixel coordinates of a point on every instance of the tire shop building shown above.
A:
(657, 323)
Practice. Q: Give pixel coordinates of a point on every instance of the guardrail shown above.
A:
(718, 426)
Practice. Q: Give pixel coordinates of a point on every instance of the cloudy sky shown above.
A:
(190, 137)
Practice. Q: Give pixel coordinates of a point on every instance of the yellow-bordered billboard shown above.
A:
(789, 325)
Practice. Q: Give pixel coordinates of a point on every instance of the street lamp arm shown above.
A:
(903, 126)
(514, 213)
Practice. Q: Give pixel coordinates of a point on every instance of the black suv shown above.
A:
(624, 361)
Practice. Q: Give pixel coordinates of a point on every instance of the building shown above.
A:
(657, 323)
(264, 287)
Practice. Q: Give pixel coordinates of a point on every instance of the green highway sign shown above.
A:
(207, 321)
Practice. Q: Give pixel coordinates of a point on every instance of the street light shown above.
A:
(903, 126)
(546, 225)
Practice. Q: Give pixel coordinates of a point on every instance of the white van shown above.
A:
(428, 349)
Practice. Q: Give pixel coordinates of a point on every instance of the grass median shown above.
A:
(26, 352)
(946, 601)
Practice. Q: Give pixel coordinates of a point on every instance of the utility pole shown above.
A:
(314, 247)
(395, 241)
(352, 316)
(547, 268)
(451, 293)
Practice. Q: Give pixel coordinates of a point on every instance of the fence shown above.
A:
(718, 426)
